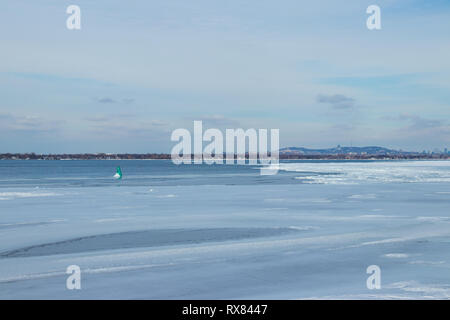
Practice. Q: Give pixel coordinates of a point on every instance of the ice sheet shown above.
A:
(237, 235)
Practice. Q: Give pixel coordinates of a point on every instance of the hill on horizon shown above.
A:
(369, 150)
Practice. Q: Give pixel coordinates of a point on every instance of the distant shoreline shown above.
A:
(164, 156)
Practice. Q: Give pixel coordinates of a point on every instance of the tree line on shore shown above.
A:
(166, 156)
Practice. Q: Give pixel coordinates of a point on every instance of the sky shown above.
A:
(137, 70)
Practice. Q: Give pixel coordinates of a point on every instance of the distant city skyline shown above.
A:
(137, 71)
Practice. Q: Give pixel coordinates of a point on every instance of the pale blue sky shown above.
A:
(139, 69)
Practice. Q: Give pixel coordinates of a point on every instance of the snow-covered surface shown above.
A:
(202, 232)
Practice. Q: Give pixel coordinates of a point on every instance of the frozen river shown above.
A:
(224, 232)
